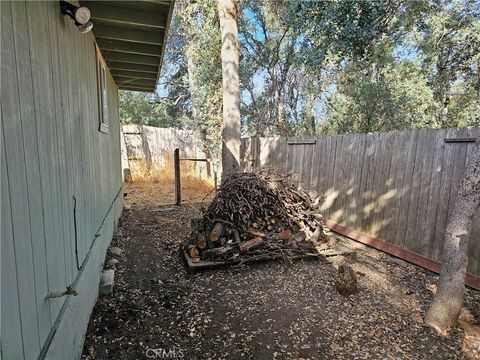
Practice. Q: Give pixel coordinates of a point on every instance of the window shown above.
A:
(102, 92)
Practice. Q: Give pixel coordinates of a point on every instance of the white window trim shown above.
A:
(102, 90)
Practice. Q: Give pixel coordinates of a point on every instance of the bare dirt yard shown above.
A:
(259, 311)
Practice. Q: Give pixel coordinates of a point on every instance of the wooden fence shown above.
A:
(397, 186)
(148, 146)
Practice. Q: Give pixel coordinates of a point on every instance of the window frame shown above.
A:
(102, 91)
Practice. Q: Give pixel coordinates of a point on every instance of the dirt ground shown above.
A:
(260, 311)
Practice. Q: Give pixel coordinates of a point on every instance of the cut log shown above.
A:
(305, 245)
(316, 234)
(251, 244)
(284, 234)
(216, 232)
(216, 253)
(346, 283)
(256, 232)
(202, 241)
(236, 236)
(193, 251)
(300, 236)
(197, 225)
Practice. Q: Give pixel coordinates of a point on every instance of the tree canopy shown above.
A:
(311, 67)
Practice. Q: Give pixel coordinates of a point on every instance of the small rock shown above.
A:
(115, 251)
(106, 282)
(112, 262)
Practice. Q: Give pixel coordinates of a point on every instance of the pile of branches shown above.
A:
(257, 216)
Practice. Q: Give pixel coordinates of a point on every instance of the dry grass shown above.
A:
(155, 186)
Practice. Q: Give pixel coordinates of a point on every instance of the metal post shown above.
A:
(176, 166)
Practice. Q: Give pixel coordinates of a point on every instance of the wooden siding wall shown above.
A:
(51, 152)
(398, 186)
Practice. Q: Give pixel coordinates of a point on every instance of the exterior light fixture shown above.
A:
(81, 15)
(84, 28)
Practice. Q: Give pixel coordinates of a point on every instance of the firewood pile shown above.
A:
(255, 217)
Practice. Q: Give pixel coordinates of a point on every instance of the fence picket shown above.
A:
(398, 186)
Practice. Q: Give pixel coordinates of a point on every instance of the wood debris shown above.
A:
(257, 216)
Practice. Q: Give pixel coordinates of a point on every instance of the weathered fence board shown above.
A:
(149, 145)
(397, 186)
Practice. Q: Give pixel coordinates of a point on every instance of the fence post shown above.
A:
(176, 168)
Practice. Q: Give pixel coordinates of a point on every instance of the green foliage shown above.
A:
(397, 98)
(146, 109)
(200, 30)
(322, 67)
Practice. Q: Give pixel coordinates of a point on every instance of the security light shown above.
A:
(85, 27)
(81, 15)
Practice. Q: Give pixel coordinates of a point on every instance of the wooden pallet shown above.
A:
(339, 250)
(209, 264)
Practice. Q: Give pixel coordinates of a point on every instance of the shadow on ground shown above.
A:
(261, 311)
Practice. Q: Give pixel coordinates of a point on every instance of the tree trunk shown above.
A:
(448, 301)
(192, 85)
(446, 101)
(227, 10)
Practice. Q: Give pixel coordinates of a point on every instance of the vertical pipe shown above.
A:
(176, 165)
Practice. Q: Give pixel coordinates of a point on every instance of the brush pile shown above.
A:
(257, 216)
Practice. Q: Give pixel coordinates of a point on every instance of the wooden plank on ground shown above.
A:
(212, 264)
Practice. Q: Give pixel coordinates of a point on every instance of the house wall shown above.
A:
(60, 181)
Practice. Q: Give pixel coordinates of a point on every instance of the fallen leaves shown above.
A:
(264, 311)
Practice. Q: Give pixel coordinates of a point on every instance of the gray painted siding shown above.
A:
(51, 150)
